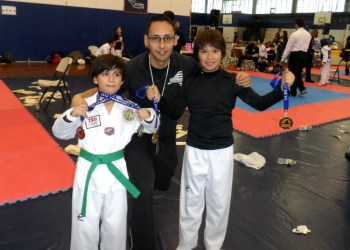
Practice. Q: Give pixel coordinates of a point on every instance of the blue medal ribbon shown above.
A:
(141, 94)
(275, 84)
(285, 98)
(103, 97)
(276, 81)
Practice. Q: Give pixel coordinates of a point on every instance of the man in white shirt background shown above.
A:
(296, 50)
(107, 48)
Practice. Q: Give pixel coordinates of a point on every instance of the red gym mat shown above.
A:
(31, 162)
(319, 106)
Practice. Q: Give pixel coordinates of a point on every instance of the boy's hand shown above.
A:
(243, 79)
(287, 77)
(284, 64)
(152, 91)
(143, 114)
(80, 110)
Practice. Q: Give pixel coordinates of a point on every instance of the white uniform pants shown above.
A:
(206, 177)
(325, 69)
(110, 208)
(118, 52)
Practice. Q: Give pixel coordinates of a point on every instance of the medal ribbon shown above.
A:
(141, 96)
(285, 98)
(276, 83)
(103, 97)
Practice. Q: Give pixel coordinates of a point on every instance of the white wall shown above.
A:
(179, 7)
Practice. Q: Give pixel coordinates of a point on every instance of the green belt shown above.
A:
(105, 159)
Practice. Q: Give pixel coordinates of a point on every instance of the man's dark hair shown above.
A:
(299, 21)
(106, 62)
(169, 14)
(159, 18)
(111, 40)
(211, 37)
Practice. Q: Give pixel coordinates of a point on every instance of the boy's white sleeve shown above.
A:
(65, 126)
(151, 124)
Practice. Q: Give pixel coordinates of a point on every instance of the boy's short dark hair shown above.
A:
(107, 62)
(212, 37)
(159, 18)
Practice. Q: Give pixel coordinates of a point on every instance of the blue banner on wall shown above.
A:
(135, 6)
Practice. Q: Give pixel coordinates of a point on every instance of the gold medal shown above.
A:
(155, 138)
(286, 122)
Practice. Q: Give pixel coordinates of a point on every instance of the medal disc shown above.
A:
(286, 122)
(155, 137)
(80, 133)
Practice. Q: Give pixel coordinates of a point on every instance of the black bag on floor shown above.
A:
(7, 57)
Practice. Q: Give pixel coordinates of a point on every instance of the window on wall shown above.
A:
(198, 6)
(214, 4)
(245, 6)
(273, 6)
(267, 6)
(307, 6)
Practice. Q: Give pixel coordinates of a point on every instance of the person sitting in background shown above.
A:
(263, 65)
(251, 53)
(107, 48)
(119, 41)
(263, 49)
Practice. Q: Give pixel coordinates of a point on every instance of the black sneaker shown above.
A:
(303, 92)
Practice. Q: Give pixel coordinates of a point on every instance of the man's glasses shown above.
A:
(157, 39)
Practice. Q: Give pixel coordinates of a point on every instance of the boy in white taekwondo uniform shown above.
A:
(104, 128)
(325, 66)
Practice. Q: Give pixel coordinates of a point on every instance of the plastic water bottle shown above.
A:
(37, 107)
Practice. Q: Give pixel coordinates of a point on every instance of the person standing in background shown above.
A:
(181, 41)
(346, 55)
(325, 62)
(119, 41)
(180, 37)
(296, 54)
(281, 45)
(310, 55)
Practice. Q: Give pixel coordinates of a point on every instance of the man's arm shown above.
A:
(79, 99)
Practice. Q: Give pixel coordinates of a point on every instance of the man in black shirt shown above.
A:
(310, 55)
(181, 41)
(148, 168)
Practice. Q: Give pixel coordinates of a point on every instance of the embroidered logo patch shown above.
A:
(93, 121)
(109, 131)
(178, 78)
(129, 115)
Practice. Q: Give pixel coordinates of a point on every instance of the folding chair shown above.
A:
(58, 82)
(336, 73)
(92, 49)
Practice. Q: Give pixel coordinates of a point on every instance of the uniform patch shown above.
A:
(109, 131)
(93, 121)
(178, 78)
(129, 115)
